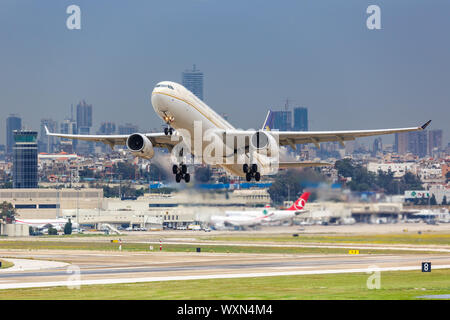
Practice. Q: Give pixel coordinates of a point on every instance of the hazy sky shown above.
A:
(254, 55)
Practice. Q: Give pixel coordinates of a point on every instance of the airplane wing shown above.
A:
(158, 139)
(292, 138)
(302, 137)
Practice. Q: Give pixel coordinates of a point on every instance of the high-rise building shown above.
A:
(300, 119)
(68, 126)
(46, 143)
(401, 143)
(107, 128)
(84, 124)
(13, 122)
(193, 81)
(418, 143)
(377, 146)
(128, 128)
(25, 160)
(434, 140)
(84, 115)
(281, 120)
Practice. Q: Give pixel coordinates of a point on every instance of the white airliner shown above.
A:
(257, 217)
(246, 153)
(273, 214)
(41, 223)
(243, 220)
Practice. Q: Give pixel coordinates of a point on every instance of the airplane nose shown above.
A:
(158, 101)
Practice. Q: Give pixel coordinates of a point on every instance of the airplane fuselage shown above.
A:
(183, 111)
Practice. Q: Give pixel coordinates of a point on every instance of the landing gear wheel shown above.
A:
(248, 176)
(178, 178)
(174, 169)
(257, 176)
(183, 169)
(187, 177)
(254, 168)
(166, 131)
(245, 168)
(170, 131)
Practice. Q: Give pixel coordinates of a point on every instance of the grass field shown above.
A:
(394, 285)
(411, 238)
(108, 246)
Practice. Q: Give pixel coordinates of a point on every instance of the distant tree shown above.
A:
(287, 184)
(8, 212)
(52, 231)
(68, 227)
(125, 170)
(444, 200)
(433, 201)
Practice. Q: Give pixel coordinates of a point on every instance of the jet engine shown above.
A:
(140, 146)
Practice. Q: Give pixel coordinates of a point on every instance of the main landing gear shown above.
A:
(168, 131)
(251, 172)
(180, 173)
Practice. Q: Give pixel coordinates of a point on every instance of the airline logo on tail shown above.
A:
(300, 203)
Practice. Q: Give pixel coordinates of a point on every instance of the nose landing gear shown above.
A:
(251, 172)
(168, 131)
(168, 119)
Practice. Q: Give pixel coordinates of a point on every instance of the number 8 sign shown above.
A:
(426, 266)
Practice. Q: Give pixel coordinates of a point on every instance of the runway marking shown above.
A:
(203, 277)
(347, 246)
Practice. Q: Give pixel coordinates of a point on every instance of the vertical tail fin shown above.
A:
(268, 122)
(301, 202)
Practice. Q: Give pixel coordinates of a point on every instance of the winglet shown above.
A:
(46, 130)
(426, 125)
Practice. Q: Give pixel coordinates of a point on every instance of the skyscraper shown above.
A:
(418, 143)
(401, 143)
(300, 119)
(377, 146)
(107, 128)
(46, 143)
(84, 115)
(13, 122)
(128, 128)
(281, 120)
(84, 124)
(434, 140)
(193, 81)
(25, 161)
(68, 126)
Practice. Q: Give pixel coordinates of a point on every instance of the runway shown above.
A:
(99, 267)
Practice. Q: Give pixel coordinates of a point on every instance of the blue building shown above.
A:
(25, 159)
(300, 119)
(13, 122)
(193, 81)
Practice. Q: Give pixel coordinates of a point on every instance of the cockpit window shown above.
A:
(164, 86)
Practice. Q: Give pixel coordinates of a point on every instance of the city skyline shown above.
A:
(393, 77)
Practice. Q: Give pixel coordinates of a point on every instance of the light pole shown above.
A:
(78, 198)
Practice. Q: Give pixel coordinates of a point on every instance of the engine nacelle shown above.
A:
(140, 146)
(264, 142)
